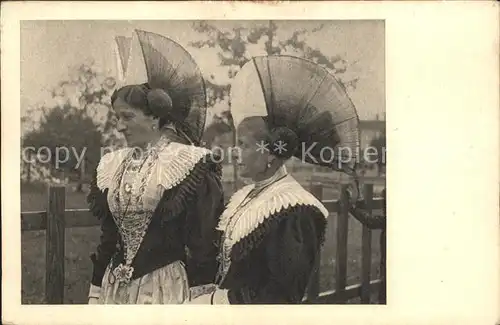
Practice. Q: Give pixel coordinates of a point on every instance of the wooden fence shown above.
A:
(371, 213)
(56, 219)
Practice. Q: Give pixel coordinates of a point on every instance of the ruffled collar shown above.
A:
(175, 162)
(238, 222)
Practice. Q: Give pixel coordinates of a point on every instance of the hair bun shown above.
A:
(283, 142)
(160, 103)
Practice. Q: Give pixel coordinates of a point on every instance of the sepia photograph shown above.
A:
(236, 162)
(203, 162)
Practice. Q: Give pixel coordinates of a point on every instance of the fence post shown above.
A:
(341, 253)
(366, 257)
(54, 267)
(313, 288)
(81, 180)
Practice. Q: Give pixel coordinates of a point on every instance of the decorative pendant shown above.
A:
(123, 273)
(128, 188)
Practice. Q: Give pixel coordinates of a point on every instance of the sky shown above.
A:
(50, 48)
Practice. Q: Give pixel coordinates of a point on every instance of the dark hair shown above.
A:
(152, 102)
(283, 141)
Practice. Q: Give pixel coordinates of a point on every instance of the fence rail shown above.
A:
(56, 219)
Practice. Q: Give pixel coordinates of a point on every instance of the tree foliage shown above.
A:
(220, 125)
(65, 134)
(76, 117)
(233, 50)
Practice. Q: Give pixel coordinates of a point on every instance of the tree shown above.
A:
(77, 118)
(66, 134)
(233, 51)
(219, 126)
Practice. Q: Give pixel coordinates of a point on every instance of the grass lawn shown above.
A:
(80, 243)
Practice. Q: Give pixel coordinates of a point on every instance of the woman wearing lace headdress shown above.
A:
(160, 201)
(272, 230)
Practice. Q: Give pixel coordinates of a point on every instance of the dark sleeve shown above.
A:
(374, 221)
(290, 252)
(201, 233)
(109, 234)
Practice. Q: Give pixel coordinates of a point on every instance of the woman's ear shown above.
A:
(271, 159)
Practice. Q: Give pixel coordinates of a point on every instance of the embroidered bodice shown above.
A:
(243, 215)
(136, 185)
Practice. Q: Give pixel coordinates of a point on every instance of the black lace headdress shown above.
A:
(304, 97)
(174, 85)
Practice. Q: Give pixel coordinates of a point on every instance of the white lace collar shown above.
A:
(175, 162)
(282, 194)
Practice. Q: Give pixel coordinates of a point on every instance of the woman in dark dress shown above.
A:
(272, 230)
(158, 202)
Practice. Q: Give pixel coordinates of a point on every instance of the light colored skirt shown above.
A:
(167, 285)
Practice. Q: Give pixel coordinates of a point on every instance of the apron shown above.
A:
(166, 285)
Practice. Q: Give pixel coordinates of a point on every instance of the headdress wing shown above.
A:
(122, 52)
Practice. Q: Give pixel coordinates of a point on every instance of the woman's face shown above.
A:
(252, 156)
(134, 124)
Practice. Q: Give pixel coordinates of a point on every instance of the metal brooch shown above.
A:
(123, 273)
